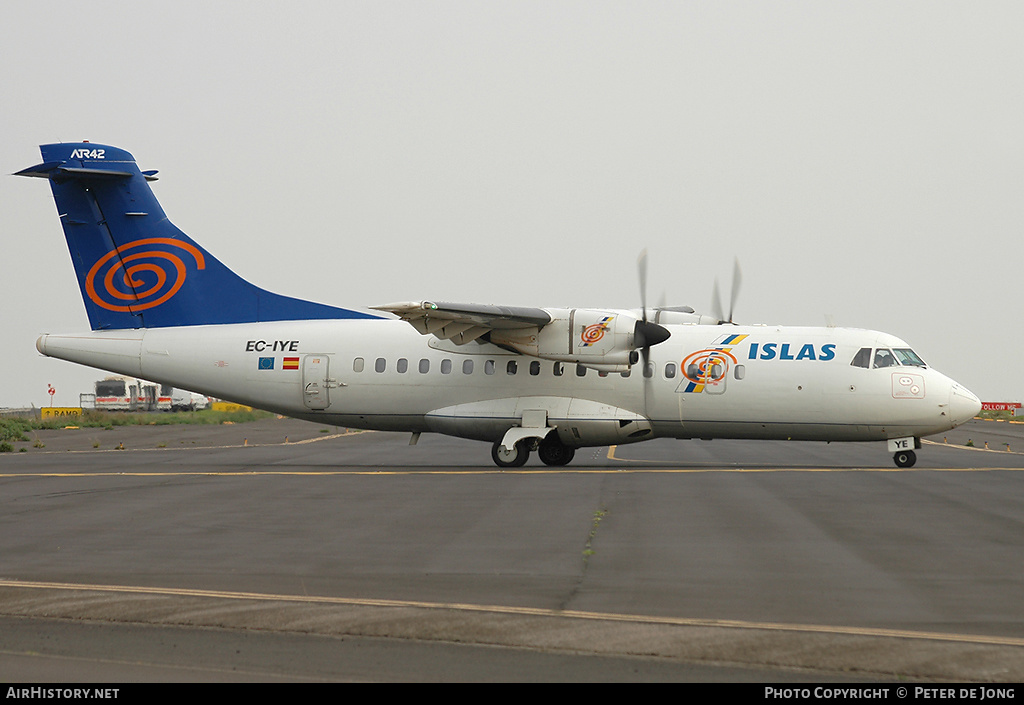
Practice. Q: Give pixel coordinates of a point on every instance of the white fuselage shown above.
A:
(768, 382)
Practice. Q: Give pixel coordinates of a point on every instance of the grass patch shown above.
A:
(15, 429)
(1001, 415)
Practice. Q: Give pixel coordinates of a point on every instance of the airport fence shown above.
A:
(29, 413)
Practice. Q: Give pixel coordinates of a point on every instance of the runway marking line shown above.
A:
(528, 611)
(983, 450)
(469, 471)
(612, 456)
(315, 439)
(466, 472)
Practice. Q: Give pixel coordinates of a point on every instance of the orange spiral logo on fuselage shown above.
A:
(147, 276)
(707, 366)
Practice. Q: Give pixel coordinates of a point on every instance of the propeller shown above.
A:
(641, 266)
(645, 333)
(716, 301)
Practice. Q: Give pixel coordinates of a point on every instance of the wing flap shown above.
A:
(464, 323)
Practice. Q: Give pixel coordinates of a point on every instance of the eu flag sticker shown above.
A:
(266, 363)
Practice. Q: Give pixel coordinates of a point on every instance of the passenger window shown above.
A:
(381, 364)
(424, 366)
(862, 358)
(581, 371)
(512, 367)
(557, 369)
(467, 367)
(535, 367)
(626, 373)
(884, 358)
(489, 367)
(740, 371)
(649, 370)
(357, 365)
(670, 370)
(402, 365)
(446, 366)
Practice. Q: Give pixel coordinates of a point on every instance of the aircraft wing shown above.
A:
(464, 323)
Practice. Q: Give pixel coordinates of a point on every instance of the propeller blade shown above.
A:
(737, 279)
(716, 299)
(716, 303)
(641, 265)
(645, 333)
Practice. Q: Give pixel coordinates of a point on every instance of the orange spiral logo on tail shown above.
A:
(140, 275)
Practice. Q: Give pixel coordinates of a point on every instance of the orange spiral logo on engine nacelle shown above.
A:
(147, 276)
(594, 332)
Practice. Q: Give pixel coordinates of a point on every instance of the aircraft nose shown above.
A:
(963, 404)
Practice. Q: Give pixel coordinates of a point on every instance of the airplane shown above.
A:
(549, 380)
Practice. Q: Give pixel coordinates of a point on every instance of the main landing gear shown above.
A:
(905, 459)
(551, 451)
(505, 458)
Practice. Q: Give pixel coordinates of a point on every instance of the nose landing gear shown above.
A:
(905, 459)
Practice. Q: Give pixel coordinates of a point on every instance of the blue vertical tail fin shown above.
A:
(135, 268)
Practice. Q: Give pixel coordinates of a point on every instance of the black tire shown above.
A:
(905, 459)
(516, 459)
(553, 452)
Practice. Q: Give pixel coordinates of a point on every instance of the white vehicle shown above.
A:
(120, 393)
(521, 379)
(184, 400)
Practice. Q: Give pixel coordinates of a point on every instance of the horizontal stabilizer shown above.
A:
(42, 171)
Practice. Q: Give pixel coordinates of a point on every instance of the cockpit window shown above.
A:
(908, 357)
(884, 358)
(862, 358)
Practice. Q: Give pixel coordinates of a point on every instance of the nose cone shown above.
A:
(963, 405)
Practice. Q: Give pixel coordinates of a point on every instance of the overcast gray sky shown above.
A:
(864, 160)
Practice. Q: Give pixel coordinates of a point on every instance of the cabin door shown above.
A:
(316, 381)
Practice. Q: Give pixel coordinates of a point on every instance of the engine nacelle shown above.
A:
(605, 340)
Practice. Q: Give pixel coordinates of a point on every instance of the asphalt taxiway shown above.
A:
(226, 553)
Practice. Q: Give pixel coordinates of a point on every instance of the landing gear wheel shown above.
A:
(515, 458)
(553, 452)
(905, 459)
